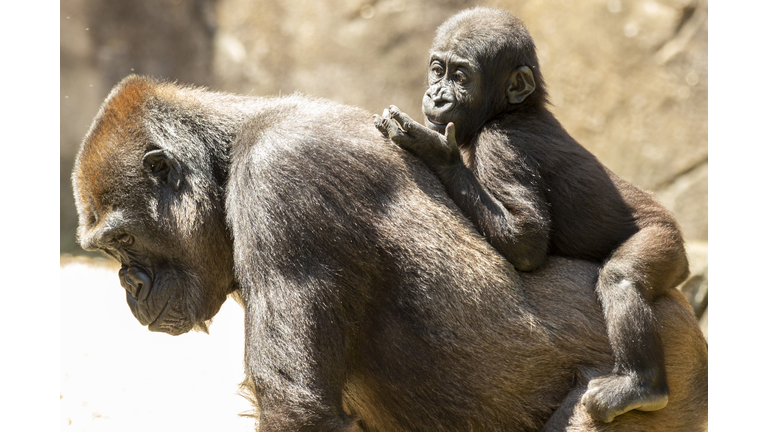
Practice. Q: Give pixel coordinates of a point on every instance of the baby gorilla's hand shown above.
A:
(436, 150)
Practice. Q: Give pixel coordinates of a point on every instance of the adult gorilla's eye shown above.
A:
(125, 240)
(437, 70)
(459, 77)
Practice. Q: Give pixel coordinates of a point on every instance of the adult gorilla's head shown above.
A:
(149, 193)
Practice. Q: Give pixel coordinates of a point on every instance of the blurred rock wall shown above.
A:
(628, 79)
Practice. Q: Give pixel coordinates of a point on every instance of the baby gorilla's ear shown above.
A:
(521, 84)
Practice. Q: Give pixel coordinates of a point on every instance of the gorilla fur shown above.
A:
(371, 303)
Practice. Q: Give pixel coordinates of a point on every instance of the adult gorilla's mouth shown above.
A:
(154, 325)
(167, 323)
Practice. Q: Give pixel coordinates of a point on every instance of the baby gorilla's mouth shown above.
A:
(435, 125)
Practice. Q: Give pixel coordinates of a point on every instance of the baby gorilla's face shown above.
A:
(454, 94)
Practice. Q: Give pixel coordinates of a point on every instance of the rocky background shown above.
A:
(628, 79)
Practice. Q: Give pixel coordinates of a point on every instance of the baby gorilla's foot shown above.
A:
(613, 395)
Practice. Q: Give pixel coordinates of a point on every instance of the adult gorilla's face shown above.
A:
(135, 206)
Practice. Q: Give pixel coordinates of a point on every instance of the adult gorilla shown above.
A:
(371, 303)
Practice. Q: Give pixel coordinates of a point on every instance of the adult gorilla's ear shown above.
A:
(164, 167)
(521, 84)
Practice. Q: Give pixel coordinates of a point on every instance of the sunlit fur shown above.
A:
(371, 303)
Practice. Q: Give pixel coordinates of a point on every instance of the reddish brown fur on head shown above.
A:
(112, 146)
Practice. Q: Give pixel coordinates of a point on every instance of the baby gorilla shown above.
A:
(531, 189)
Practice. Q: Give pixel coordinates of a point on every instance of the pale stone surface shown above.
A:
(118, 376)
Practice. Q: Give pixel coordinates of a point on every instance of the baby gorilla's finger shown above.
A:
(379, 123)
(450, 133)
(393, 130)
(405, 121)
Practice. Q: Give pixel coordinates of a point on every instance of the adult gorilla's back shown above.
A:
(370, 301)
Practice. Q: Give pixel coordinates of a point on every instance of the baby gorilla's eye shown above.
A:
(437, 71)
(459, 77)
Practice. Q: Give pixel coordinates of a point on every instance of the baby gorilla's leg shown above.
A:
(646, 265)
(638, 380)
